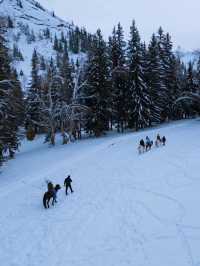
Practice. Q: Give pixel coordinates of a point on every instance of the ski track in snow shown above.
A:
(127, 209)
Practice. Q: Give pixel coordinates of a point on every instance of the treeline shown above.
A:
(114, 84)
(136, 85)
(11, 103)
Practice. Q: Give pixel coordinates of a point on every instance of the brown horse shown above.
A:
(50, 194)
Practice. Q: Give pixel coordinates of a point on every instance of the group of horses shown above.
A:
(143, 147)
(147, 145)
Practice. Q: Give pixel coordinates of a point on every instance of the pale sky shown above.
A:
(179, 17)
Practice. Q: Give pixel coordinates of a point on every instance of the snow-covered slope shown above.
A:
(38, 19)
(188, 56)
(32, 13)
(127, 209)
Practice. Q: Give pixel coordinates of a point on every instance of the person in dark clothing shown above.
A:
(149, 143)
(158, 141)
(142, 143)
(50, 186)
(163, 140)
(158, 138)
(67, 184)
(52, 190)
(141, 147)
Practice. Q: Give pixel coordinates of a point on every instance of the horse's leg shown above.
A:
(48, 203)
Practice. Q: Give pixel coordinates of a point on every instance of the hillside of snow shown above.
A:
(188, 56)
(126, 209)
(32, 15)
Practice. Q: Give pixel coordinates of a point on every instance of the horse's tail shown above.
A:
(44, 201)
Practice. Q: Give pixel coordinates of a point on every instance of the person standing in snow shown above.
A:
(142, 143)
(67, 184)
(141, 146)
(158, 138)
(163, 140)
(158, 141)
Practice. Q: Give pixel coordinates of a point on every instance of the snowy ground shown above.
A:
(126, 210)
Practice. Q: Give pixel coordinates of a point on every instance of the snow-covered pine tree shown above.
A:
(30, 36)
(32, 101)
(17, 55)
(178, 73)
(190, 95)
(190, 85)
(83, 40)
(198, 76)
(66, 73)
(62, 37)
(10, 23)
(154, 81)
(169, 64)
(97, 91)
(19, 98)
(56, 44)
(119, 96)
(42, 63)
(175, 87)
(9, 103)
(60, 46)
(58, 60)
(47, 33)
(74, 40)
(139, 95)
(166, 72)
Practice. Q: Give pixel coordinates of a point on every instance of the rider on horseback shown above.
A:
(148, 141)
(142, 143)
(52, 189)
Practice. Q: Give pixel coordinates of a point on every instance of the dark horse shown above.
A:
(50, 194)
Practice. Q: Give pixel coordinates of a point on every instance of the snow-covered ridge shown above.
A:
(33, 13)
(30, 16)
(188, 56)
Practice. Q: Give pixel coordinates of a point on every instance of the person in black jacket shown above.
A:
(163, 140)
(158, 138)
(67, 184)
(142, 143)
